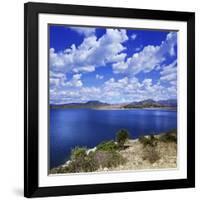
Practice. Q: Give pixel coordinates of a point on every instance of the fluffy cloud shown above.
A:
(96, 52)
(75, 81)
(91, 53)
(56, 79)
(114, 91)
(120, 67)
(149, 58)
(70, 95)
(169, 73)
(59, 81)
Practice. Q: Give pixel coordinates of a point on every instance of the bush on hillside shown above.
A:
(121, 137)
(168, 137)
(148, 140)
(150, 153)
(78, 152)
(108, 159)
(107, 146)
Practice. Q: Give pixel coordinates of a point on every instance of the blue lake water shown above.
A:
(88, 127)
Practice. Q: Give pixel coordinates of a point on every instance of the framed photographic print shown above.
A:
(109, 99)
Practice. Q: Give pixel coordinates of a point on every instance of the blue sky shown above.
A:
(111, 65)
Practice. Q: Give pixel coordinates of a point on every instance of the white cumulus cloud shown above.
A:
(91, 53)
(112, 91)
(169, 73)
(149, 58)
(108, 50)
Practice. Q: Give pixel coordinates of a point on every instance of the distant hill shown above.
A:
(96, 103)
(148, 103)
(89, 104)
(169, 102)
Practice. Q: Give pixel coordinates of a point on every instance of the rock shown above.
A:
(67, 163)
(91, 150)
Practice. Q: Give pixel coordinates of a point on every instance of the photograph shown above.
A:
(109, 99)
(112, 99)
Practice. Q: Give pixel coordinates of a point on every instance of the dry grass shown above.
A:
(164, 155)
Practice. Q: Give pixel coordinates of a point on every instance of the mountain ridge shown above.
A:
(152, 103)
(148, 103)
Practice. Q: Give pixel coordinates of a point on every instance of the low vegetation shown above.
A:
(107, 146)
(148, 140)
(78, 152)
(92, 161)
(170, 136)
(121, 137)
(110, 154)
(151, 154)
(108, 159)
(150, 143)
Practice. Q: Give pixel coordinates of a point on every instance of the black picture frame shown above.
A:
(31, 12)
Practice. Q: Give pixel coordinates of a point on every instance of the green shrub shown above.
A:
(91, 162)
(53, 171)
(78, 152)
(108, 159)
(149, 148)
(168, 137)
(81, 162)
(148, 141)
(85, 164)
(143, 140)
(121, 137)
(107, 146)
(150, 153)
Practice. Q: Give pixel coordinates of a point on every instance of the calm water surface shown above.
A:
(88, 127)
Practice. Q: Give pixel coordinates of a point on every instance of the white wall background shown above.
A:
(11, 98)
